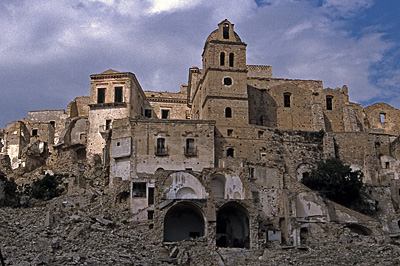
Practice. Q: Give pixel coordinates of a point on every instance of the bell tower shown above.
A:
(221, 93)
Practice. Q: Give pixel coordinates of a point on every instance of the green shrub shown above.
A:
(336, 181)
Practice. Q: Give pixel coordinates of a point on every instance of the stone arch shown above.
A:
(217, 186)
(233, 226)
(302, 169)
(183, 185)
(183, 221)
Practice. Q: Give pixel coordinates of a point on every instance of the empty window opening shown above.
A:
(34, 132)
(382, 117)
(150, 215)
(303, 235)
(222, 59)
(399, 191)
(286, 100)
(101, 95)
(139, 189)
(232, 227)
(227, 81)
(228, 112)
(251, 172)
(230, 152)
(231, 57)
(329, 102)
(183, 221)
(122, 197)
(147, 113)
(82, 137)
(161, 149)
(108, 124)
(118, 94)
(260, 134)
(229, 132)
(81, 154)
(387, 165)
(118, 144)
(165, 113)
(150, 197)
(225, 31)
(53, 123)
(190, 149)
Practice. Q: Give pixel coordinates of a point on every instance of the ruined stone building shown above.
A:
(220, 161)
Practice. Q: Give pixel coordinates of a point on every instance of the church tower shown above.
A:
(219, 90)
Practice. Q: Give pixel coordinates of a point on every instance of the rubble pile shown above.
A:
(88, 228)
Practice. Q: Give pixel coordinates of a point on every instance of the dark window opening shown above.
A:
(229, 132)
(387, 165)
(260, 134)
(150, 198)
(181, 222)
(286, 100)
(232, 228)
(251, 172)
(382, 117)
(228, 112)
(165, 114)
(81, 154)
(222, 59)
(161, 149)
(139, 190)
(147, 113)
(34, 132)
(101, 95)
(150, 215)
(108, 124)
(225, 31)
(231, 57)
(227, 81)
(118, 144)
(190, 149)
(53, 123)
(230, 152)
(329, 102)
(303, 235)
(118, 94)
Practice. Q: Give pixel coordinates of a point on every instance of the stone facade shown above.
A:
(220, 161)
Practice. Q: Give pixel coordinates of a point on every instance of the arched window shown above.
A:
(329, 100)
(286, 99)
(231, 57)
(228, 112)
(222, 59)
(225, 31)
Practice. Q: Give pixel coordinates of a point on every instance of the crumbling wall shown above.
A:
(384, 118)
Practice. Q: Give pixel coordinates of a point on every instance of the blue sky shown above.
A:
(48, 49)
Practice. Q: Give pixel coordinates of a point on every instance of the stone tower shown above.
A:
(219, 90)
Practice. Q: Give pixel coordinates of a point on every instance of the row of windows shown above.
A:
(287, 101)
(222, 59)
(161, 148)
(101, 95)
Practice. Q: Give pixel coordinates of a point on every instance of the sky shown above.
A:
(49, 48)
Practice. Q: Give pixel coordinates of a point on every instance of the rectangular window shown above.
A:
(329, 102)
(387, 165)
(147, 113)
(101, 95)
(260, 134)
(251, 172)
(150, 198)
(139, 190)
(286, 100)
(150, 215)
(118, 94)
(34, 132)
(161, 149)
(165, 113)
(382, 117)
(229, 132)
(190, 149)
(108, 124)
(53, 123)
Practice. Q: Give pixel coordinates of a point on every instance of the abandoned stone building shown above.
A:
(220, 161)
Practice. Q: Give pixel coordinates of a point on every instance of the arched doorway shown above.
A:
(183, 221)
(233, 226)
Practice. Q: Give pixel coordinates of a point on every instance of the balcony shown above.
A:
(190, 151)
(161, 151)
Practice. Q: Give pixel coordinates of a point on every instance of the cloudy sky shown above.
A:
(49, 48)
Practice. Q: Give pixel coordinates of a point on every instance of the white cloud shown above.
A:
(346, 7)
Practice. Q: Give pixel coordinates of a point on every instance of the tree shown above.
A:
(47, 187)
(335, 180)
